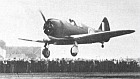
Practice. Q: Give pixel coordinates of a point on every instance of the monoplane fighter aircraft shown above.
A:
(61, 32)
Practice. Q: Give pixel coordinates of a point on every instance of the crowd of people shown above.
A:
(68, 65)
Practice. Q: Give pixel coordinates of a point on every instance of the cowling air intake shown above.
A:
(48, 25)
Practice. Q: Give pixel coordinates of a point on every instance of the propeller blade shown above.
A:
(43, 16)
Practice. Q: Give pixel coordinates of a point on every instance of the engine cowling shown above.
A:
(48, 28)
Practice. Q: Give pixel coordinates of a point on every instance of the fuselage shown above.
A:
(63, 29)
(60, 32)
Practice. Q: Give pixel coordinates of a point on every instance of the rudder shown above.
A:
(104, 26)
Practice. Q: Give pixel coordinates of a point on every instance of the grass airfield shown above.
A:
(75, 75)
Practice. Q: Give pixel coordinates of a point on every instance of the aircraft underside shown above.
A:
(74, 49)
(88, 41)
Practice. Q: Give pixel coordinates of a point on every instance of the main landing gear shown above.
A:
(46, 51)
(74, 50)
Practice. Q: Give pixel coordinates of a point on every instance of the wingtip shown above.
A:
(132, 31)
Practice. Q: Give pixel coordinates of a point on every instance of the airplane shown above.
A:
(60, 32)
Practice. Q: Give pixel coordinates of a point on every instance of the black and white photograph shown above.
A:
(69, 39)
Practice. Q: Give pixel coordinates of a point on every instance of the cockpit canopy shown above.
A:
(75, 23)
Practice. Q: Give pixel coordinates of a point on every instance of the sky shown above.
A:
(21, 19)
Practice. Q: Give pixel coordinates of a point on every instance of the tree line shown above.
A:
(68, 65)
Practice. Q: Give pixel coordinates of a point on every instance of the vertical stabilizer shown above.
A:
(104, 26)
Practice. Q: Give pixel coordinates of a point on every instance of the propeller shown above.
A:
(43, 16)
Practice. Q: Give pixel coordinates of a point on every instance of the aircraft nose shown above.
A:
(48, 27)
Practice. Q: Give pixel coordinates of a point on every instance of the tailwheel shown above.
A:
(46, 52)
(74, 50)
(102, 45)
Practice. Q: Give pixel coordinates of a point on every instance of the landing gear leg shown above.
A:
(74, 50)
(102, 45)
(46, 51)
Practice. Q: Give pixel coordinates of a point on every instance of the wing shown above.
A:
(100, 36)
(83, 38)
(51, 40)
(41, 41)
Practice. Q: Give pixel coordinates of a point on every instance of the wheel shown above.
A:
(46, 52)
(102, 46)
(74, 50)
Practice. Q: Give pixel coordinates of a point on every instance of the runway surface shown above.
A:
(70, 75)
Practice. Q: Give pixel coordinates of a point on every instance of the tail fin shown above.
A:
(104, 26)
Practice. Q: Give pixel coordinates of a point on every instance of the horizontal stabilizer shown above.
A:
(120, 32)
(101, 36)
